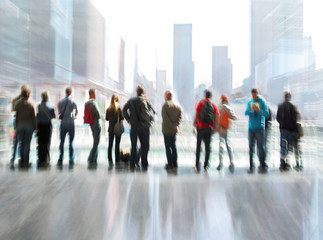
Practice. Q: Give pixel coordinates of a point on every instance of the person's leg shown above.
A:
(14, 148)
(283, 148)
(173, 150)
(71, 133)
(251, 139)
(260, 136)
(133, 154)
(111, 138)
(207, 141)
(48, 142)
(144, 145)
(41, 139)
(221, 142)
(198, 149)
(62, 134)
(167, 142)
(117, 149)
(28, 137)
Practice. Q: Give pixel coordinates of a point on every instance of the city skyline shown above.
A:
(214, 23)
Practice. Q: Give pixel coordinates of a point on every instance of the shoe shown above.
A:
(206, 167)
(92, 165)
(12, 164)
(59, 164)
(110, 163)
(251, 170)
(262, 170)
(169, 167)
(231, 168)
(298, 168)
(219, 167)
(71, 165)
(284, 168)
(197, 169)
(131, 169)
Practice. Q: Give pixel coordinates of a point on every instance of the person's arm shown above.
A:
(125, 111)
(75, 108)
(121, 117)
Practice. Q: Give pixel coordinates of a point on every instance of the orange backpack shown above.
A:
(224, 119)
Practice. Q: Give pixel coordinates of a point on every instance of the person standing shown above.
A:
(95, 128)
(25, 125)
(67, 110)
(206, 121)
(226, 115)
(113, 115)
(257, 110)
(172, 116)
(287, 117)
(15, 138)
(44, 130)
(137, 112)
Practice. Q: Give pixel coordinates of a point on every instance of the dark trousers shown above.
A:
(16, 144)
(64, 129)
(259, 137)
(171, 151)
(44, 135)
(143, 135)
(96, 130)
(25, 134)
(203, 134)
(116, 147)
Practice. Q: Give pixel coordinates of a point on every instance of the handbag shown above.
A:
(300, 130)
(118, 127)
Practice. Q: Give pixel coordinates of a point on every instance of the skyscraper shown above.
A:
(221, 71)
(278, 46)
(183, 67)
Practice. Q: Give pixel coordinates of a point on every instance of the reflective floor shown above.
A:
(111, 203)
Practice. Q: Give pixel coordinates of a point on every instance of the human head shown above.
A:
(207, 93)
(25, 93)
(168, 95)
(92, 93)
(114, 99)
(254, 93)
(224, 98)
(68, 91)
(44, 96)
(287, 95)
(140, 90)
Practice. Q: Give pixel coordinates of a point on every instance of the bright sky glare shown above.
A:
(149, 24)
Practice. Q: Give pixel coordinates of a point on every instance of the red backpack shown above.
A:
(88, 117)
(224, 119)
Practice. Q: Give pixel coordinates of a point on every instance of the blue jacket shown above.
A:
(257, 119)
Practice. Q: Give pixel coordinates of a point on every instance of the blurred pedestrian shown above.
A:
(44, 130)
(67, 110)
(137, 111)
(227, 114)
(287, 117)
(91, 108)
(206, 121)
(15, 138)
(25, 125)
(257, 110)
(114, 115)
(172, 116)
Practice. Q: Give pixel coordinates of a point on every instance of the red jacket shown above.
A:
(199, 107)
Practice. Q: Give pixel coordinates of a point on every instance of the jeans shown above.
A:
(44, 134)
(224, 139)
(288, 142)
(143, 135)
(116, 147)
(171, 151)
(203, 134)
(24, 134)
(96, 130)
(64, 129)
(259, 136)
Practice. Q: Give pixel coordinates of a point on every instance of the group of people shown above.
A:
(139, 113)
